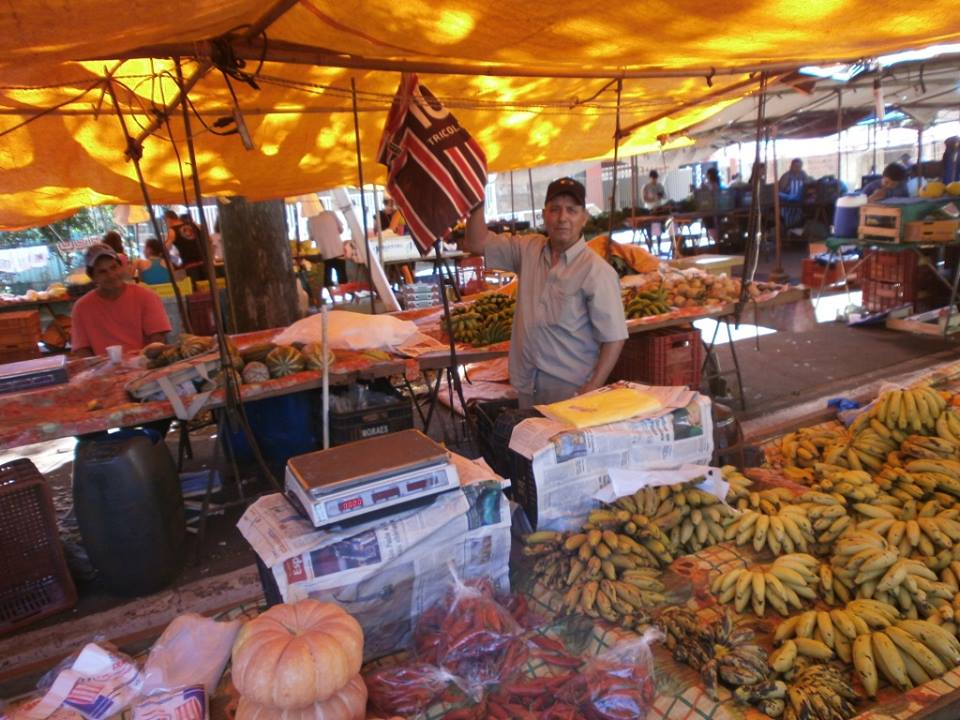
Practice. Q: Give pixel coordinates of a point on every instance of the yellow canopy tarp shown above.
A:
(54, 56)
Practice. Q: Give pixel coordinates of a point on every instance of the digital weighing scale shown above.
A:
(30, 374)
(351, 481)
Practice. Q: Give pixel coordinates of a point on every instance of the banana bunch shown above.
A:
(805, 447)
(947, 613)
(739, 484)
(689, 518)
(720, 651)
(643, 303)
(789, 580)
(815, 692)
(602, 574)
(943, 474)
(768, 501)
(870, 567)
(789, 530)
(465, 325)
(919, 531)
(929, 448)
(913, 410)
(486, 321)
(948, 426)
(869, 448)
(906, 653)
(905, 485)
(769, 696)
(855, 486)
(826, 514)
(819, 634)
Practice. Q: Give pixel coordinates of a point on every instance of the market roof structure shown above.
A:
(534, 82)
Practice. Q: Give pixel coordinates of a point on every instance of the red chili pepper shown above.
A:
(548, 643)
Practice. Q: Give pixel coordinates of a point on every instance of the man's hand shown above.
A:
(609, 353)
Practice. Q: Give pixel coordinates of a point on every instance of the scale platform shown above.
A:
(350, 481)
(30, 374)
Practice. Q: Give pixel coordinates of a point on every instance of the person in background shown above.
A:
(185, 236)
(386, 213)
(216, 242)
(325, 230)
(115, 241)
(151, 268)
(116, 312)
(790, 188)
(711, 183)
(892, 184)
(569, 326)
(653, 192)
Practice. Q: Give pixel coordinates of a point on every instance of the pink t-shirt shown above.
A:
(127, 321)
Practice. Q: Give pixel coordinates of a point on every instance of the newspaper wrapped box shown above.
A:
(570, 466)
(387, 571)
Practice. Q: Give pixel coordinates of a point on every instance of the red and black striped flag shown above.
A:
(436, 171)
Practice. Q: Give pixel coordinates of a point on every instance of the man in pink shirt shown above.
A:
(117, 312)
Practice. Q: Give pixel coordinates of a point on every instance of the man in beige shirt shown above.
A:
(569, 326)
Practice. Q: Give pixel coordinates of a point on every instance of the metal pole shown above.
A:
(363, 203)
(777, 275)
(134, 152)
(839, 135)
(513, 207)
(326, 378)
(533, 204)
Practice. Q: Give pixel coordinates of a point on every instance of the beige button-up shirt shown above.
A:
(563, 312)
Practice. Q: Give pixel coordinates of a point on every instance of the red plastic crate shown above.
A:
(200, 310)
(669, 356)
(890, 267)
(34, 579)
(816, 275)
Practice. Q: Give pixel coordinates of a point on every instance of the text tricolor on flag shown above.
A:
(436, 171)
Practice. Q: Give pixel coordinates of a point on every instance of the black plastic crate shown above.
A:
(392, 416)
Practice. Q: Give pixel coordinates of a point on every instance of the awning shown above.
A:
(549, 95)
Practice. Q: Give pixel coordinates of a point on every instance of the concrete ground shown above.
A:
(784, 374)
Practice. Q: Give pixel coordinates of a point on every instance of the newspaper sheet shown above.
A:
(387, 571)
(570, 467)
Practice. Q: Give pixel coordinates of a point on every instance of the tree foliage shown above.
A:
(87, 221)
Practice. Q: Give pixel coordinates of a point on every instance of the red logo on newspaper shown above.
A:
(294, 570)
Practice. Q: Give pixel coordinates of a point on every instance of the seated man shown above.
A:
(892, 184)
(116, 312)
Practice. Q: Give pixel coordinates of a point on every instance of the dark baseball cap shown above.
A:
(97, 251)
(566, 186)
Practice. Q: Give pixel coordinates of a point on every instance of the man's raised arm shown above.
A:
(476, 233)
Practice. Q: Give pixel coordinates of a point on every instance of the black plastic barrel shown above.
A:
(127, 498)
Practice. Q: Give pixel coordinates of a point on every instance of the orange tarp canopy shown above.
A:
(549, 97)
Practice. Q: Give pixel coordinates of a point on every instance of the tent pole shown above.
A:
(252, 48)
(754, 226)
(232, 396)
(616, 163)
(777, 275)
(839, 134)
(513, 208)
(533, 202)
(134, 152)
(363, 202)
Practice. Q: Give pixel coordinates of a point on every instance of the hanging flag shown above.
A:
(436, 171)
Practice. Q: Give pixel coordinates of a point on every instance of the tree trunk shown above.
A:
(260, 279)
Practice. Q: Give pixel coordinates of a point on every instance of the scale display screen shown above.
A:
(383, 493)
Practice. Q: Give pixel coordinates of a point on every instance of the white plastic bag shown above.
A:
(193, 650)
(350, 331)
